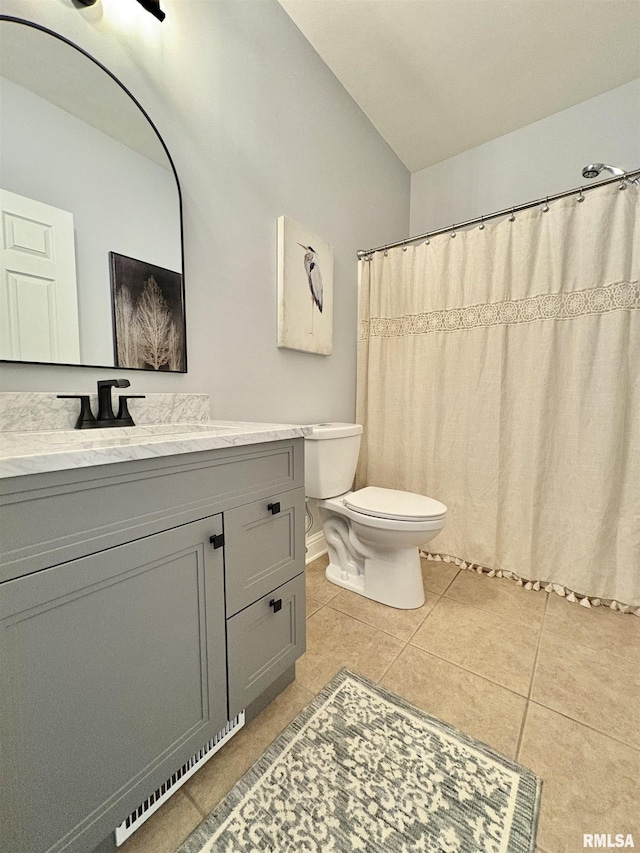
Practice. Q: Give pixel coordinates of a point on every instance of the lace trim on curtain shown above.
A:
(570, 595)
(545, 306)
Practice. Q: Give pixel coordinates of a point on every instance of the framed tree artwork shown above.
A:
(305, 289)
(148, 316)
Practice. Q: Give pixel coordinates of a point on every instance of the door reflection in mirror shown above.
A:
(39, 298)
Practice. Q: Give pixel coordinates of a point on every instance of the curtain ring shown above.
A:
(453, 231)
(427, 241)
(580, 197)
(404, 247)
(512, 218)
(481, 223)
(623, 182)
(545, 209)
(386, 251)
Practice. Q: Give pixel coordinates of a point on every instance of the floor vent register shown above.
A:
(176, 780)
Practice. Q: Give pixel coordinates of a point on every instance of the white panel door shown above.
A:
(38, 288)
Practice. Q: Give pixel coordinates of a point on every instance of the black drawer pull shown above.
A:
(274, 508)
(217, 541)
(277, 605)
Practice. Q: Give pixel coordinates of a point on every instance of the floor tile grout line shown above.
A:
(448, 585)
(315, 611)
(531, 679)
(540, 636)
(311, 615)
(523, 722)
(493, 612)
(425, 618)
(551, 632)
(549, 594)
(376, 627)
(392, 663)
(322, 604)
(466, 669)
(499, 616)
(634, 747)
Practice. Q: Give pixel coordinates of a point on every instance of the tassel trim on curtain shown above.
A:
(570, 595)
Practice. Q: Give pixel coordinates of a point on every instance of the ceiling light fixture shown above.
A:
(152, 6)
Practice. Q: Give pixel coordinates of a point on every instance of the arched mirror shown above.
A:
(92, 269)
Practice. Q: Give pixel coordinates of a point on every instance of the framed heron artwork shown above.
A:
(305, 289)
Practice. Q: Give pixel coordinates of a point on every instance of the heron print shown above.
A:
(305, 289)
(314, 278)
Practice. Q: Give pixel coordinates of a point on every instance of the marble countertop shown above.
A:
(58, 450)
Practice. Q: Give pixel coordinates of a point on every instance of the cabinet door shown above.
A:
(263, 548)
(113, 674)
(263, 641)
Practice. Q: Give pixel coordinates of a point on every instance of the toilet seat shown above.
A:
(394, 505)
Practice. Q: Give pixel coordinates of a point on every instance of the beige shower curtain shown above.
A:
(499, 372)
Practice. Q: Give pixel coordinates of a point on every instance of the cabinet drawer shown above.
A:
(263, 642)
(262, 550)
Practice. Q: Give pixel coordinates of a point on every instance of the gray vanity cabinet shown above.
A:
(119, 654)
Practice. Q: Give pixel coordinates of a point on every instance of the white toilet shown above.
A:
(372, 534)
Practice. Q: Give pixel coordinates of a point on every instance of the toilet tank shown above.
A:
(330, 459)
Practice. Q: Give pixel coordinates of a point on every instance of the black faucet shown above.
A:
(105, 408)
(105, 418)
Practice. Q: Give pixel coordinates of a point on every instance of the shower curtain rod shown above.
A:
(364, 253)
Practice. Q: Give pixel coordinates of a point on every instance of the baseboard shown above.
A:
(316, 547)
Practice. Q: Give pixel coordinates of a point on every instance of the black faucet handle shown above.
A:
(113, 383)
(124, 416)
(86, 419)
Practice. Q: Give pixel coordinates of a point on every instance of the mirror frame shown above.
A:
(16, 20)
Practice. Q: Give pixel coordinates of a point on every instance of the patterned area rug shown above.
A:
(362, 770)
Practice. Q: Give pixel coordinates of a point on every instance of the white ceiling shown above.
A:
(437, 77)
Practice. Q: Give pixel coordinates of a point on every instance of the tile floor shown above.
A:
(548, 683)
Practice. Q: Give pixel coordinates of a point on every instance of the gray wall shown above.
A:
(537, 160)
(258, 127)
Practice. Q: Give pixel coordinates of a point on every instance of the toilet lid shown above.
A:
(391, 503)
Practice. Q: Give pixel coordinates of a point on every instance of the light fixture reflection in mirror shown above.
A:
(74, 140)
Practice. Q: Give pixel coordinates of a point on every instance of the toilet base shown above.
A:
(393, 578)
